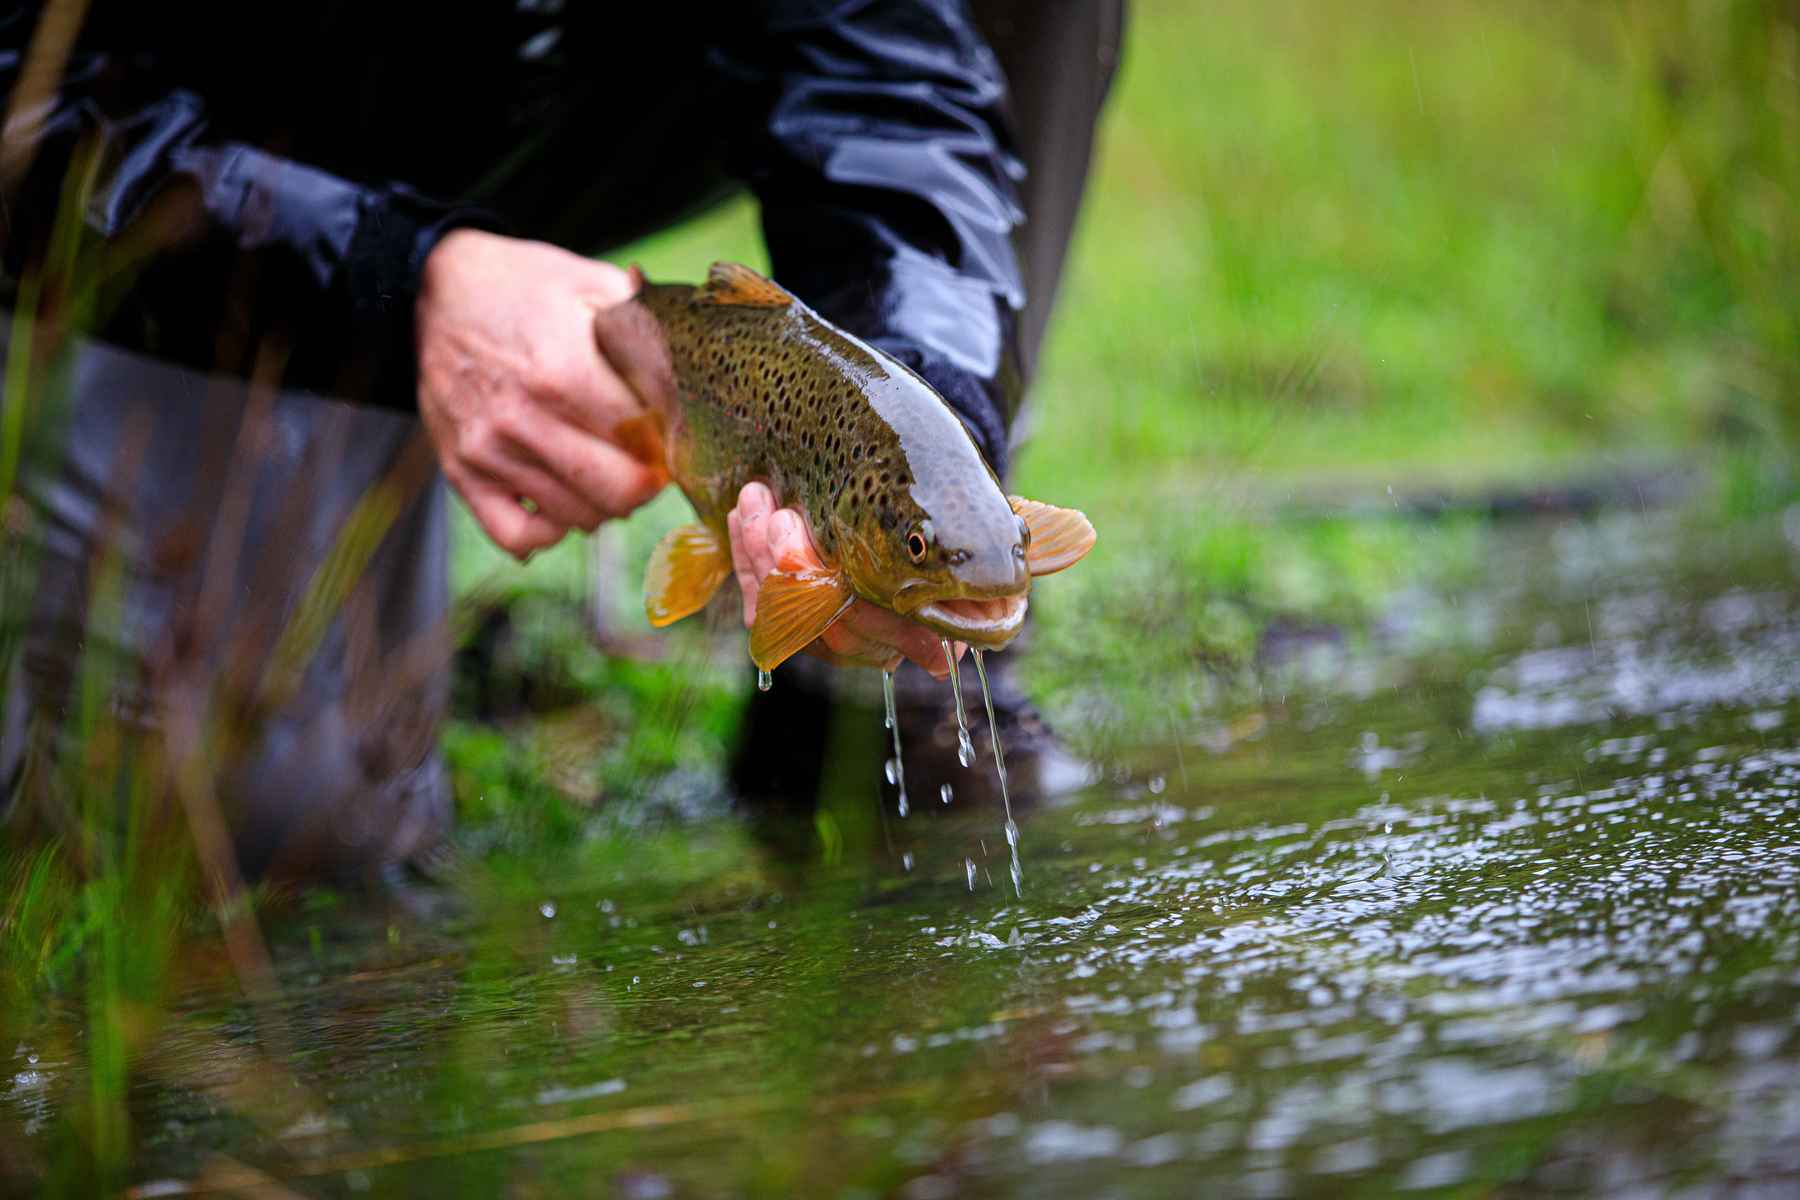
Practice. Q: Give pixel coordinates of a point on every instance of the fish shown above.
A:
(745, 384)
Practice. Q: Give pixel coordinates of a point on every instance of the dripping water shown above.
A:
(896, 769)
(965, 748)
(1012, 830)
(763, 680)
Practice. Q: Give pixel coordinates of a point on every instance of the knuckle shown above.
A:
(475, 440)
(553, 375)
(504, 424)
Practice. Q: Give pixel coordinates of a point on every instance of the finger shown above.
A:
(606, 478)
(790, 545)
(740, 563)
(582, 384)
(882, 658)
(497, 510)
(845, 646)
(553, 498)
(605, 283)
(909, 638)
(755, 524)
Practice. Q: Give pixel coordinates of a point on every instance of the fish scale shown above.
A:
(763, 385)
(751, 385)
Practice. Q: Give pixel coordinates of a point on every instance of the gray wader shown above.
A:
(222, 512)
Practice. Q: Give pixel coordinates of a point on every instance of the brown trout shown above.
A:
(903, 509)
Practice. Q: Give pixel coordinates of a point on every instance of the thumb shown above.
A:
(606, 285)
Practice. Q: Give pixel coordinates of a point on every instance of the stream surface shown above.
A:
(1505, 902)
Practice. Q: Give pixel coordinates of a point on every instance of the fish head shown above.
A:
(953, 559)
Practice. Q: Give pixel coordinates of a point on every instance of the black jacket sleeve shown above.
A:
(329, 265)
(887, 182)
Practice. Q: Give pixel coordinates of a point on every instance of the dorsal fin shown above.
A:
(734, 283)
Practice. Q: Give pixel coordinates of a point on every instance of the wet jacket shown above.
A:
(313, 154)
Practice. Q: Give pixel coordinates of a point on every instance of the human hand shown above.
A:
(765, 539)
(519, 402)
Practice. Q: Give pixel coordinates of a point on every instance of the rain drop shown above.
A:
(945, 794)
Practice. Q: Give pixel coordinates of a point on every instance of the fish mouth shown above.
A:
(985, 623)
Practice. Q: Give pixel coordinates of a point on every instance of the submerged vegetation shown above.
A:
(1348, 290)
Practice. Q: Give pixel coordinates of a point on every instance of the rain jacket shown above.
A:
(318, 152)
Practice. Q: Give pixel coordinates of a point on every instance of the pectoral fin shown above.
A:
(1060, 537)
(734, 283)
(687, 566)
(792, 610)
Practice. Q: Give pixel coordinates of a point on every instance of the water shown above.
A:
(965, 746)
(764, 681)
(1495, 906)
(896, 767)
(1012, 830)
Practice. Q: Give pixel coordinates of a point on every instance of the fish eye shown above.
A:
(918, 542)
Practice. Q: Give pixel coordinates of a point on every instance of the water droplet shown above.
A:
(906, 860)
(548, 909)
(1387, 827)
(965, 749)
(969, 868)
(1157, 784)
(1012, 833)
(764, 681)
(896, 767)
(945, 794)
